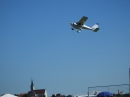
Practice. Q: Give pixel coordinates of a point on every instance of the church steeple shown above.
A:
(32, 85)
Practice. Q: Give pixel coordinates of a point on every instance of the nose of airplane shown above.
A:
(70, 23)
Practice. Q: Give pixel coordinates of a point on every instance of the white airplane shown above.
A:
(80, 25)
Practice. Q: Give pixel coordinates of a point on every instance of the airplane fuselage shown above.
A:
(80, 27)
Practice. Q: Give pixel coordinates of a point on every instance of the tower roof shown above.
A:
(32, 85)
(32, 82)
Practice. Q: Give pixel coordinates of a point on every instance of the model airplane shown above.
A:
(80, 25)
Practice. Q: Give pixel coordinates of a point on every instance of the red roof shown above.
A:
(40, 91)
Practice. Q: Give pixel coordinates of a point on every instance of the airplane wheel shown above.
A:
(72, 29)
(78, 31)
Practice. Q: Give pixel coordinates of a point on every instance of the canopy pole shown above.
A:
(88, 91)
(129, 80)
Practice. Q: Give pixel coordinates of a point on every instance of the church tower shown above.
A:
(32, 86)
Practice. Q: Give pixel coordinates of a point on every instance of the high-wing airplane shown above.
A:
(80, 25)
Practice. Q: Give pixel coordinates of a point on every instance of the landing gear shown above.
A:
(72, 28)
(78, 31)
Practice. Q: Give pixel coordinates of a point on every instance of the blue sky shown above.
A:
(36, 41)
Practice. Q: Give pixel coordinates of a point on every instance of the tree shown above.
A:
(53, 95)
(44, 96)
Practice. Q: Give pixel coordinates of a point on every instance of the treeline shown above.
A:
(60, 95)
(121, 95)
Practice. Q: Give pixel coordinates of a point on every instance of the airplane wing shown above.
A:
(82, 20)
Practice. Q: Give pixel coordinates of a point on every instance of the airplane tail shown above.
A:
(95, 27)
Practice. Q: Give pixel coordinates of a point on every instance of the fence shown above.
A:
(116, 89)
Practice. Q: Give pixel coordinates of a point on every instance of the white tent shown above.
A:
(8, 95)
(85, 96)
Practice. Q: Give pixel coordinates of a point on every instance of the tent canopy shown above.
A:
(8, 95)
(104, 94)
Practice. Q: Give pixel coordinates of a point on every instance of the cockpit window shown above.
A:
(75, 23)
(78, 23)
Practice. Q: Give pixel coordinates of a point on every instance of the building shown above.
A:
(36, 93)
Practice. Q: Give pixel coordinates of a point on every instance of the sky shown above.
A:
(36, 42)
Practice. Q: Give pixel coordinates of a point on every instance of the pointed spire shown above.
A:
(32, 82)
(32, 85)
